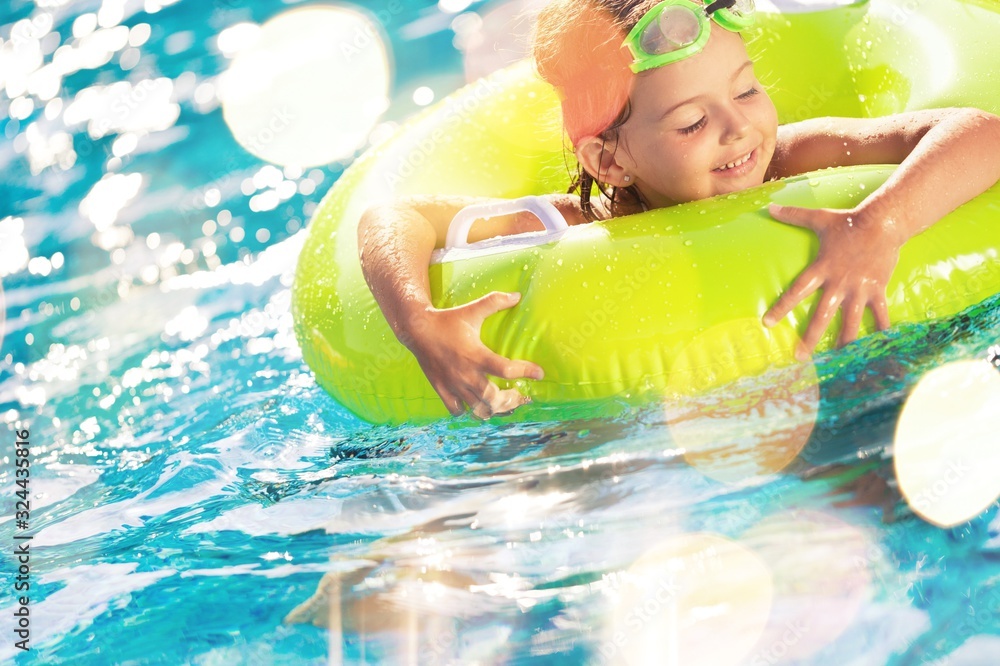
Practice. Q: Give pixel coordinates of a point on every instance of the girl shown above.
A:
(662, 106)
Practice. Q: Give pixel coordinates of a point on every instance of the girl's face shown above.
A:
(691, 118)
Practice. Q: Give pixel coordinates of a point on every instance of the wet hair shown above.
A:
(578, 42)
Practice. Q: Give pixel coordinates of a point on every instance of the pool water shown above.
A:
(196, 498)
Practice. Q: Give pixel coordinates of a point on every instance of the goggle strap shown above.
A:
(719, 4)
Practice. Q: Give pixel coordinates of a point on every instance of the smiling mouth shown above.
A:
(739, 162)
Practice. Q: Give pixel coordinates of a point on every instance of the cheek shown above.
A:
(659, 154)
(701, 154)
(769, 117)
(679, 162)
(669, 162)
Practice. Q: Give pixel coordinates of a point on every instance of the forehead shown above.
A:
(703, 73)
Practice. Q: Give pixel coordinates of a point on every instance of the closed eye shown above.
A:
(693, 128)
(698, 125)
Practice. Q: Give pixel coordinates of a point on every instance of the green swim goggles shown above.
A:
(676, 29)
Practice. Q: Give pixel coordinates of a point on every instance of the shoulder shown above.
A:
(569, 206)
(808, 145)
(571, 209)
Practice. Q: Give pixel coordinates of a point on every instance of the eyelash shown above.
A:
(698, 125)
(694, 128)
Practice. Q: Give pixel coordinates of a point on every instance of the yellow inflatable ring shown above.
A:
(667, 302)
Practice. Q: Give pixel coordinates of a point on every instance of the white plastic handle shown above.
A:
(542, 208)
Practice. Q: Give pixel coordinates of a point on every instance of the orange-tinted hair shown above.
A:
(577, 49)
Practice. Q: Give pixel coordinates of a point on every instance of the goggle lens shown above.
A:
(676, 28)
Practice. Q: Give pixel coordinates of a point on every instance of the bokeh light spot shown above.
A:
(416, 601)
(682, 595)
(108, 197)
(3, 316)
(453, 6)
(497, 38)
(754, 424)
(423, 96)
(309, 88)
(822, 571)
(946, 455)
(13, 249)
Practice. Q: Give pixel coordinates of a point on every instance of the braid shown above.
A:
(584, 182)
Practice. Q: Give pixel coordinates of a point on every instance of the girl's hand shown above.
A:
(857, 254)
(447, 345)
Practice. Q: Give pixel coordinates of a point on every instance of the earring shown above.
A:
(627, 178)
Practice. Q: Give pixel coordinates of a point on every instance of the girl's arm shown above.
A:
(946, 156)
(395, 242)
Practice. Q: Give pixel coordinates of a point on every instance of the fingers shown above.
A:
(498, 366)
(458, 371)
(810, 218)
(478, 402)
(808, 282)
(451, 402)
(820, 321)
(881, 311)
(853, 309)
(494, 401)
(508, 400)
(454, 406)
(853, 312)
(489, 400)
(482, 396)
(493, 302)
(501, 402)
(482, 411)
(455, 401)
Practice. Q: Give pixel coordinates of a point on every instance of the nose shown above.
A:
(736, 125)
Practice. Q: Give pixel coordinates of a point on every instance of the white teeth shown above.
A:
(737, 163)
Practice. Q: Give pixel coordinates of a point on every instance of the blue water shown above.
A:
(192, 488)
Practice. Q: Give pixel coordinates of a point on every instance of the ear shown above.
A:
(598, 156)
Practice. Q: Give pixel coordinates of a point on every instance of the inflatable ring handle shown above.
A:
(542, 208)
